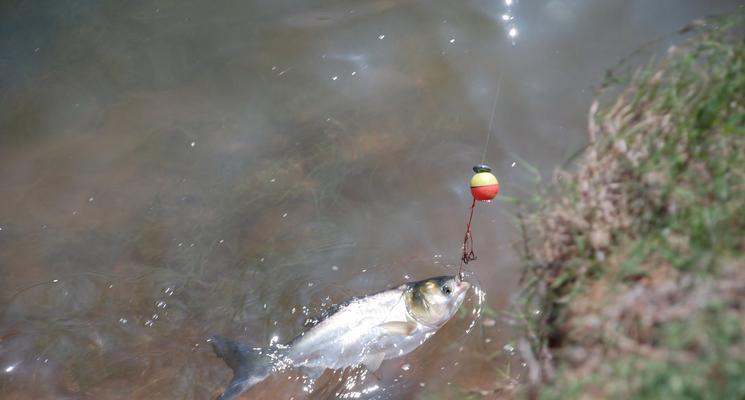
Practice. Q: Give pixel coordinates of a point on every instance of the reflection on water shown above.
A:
(171, 170)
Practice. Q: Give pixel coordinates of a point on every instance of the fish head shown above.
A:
(434, 301)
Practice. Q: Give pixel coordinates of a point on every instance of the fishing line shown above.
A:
(491, 118)
(484, 187)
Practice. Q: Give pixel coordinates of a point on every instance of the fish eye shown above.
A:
(447, 289)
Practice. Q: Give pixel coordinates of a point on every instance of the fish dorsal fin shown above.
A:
(313, 373)
(326, 313)
(404, 328)
(372, 361)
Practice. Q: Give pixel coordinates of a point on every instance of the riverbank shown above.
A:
(634, 281)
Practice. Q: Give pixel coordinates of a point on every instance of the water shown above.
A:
(171, 170)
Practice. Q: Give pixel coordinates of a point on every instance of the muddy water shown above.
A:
(171, 170)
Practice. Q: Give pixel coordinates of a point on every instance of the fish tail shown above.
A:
(250, 366)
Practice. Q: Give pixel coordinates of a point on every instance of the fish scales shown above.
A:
(363, 331)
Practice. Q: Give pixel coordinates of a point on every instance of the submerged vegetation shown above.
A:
(635, 275)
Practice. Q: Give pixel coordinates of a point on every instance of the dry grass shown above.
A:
(636, 264)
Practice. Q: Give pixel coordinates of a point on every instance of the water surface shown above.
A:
(174, 169)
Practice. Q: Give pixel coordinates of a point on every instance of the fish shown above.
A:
(363, 331)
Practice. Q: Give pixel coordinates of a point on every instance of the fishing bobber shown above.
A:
(484, 185)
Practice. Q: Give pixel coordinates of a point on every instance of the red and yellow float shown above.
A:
(484, 185)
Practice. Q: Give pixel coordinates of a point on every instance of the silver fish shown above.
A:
(363, 331)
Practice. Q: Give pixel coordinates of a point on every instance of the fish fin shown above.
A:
(372, 361)
(398, 328)
(313, 373)
(250, 366)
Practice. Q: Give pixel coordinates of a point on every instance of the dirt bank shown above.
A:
(635, 275)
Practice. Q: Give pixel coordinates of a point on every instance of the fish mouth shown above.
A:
(461, 287)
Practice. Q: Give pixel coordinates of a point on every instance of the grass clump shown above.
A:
(635, 274)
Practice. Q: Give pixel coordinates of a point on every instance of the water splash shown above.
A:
(478, 297)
